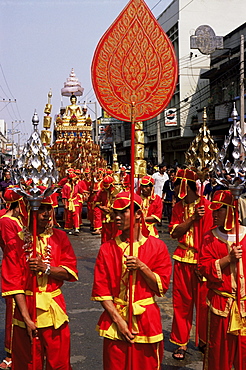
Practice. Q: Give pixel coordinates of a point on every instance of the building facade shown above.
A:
(180, 20)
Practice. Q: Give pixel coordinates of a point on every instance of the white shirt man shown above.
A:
(160, 178)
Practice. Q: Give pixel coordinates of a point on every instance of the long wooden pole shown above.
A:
(34, 288)
(199, 242)
(238, 284)
(130, 367)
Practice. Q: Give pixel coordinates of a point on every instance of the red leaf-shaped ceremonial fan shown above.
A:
(134, 63)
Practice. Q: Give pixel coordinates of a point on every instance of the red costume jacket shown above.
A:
(111, 283)
(222, 284)
(188, 243)
(17, 277)
(152, 207)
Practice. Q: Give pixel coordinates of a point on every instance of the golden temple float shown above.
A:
(73, 146)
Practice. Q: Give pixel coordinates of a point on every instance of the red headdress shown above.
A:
(107, 182)
(224, 198)
(109, 171)
(11, 196)
(146, 180)
(46, 200)
(185, 175)
(72, 175)
(123, 200)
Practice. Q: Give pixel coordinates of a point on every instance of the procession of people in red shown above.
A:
(205, 260)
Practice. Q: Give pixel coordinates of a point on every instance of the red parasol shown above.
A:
(134, 74)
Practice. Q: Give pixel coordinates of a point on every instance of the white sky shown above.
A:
(40, 42)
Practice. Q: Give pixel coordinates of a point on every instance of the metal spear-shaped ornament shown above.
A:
(228, 174)
(203, 151)
(134, 74)
(35, 164)
(228, 171)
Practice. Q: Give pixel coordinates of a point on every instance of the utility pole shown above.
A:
(158, 138)
(13, 132)
(95, 112)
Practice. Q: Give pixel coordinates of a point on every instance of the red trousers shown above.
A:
(89, 212)
(97, 218)
(221, 352)
(8, 324)
(80, 213)
(145, 356)
(72, 219)
(52, 343)
(185, 283)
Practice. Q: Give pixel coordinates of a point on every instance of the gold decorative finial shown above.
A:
(202, 151)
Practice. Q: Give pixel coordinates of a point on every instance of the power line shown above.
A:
(175, 13)
(6, 81)
(156, 5)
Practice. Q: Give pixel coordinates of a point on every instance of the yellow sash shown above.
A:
(236, 323)
(71, 206)
(137, 309)
(49, 313)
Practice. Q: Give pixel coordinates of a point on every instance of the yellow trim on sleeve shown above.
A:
(13, 292)
(218, 269)
(157, 218)
(173, 228)
(185, 259)
(71, 272)
(159, 284)
(102, 298)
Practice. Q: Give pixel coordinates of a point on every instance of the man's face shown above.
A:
(44, 215)
(171, 176)
(219, 216)
(7, 175)
(162, 169)
(122, 219)
(145, 190)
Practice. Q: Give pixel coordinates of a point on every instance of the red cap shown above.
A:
(77, 171)
(109, 171)
(46, 200)
(11, 196)
(72, 175)
(87, 170)
(107, 181)
(185, 175)
(123, 200)
(224, 198)
(146, 180)
(122, 169)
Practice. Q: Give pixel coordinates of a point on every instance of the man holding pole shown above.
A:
(186, 227)
(220, 261)
(55, 262)
(151, 268)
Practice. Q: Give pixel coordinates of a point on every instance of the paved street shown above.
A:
(86, 344)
